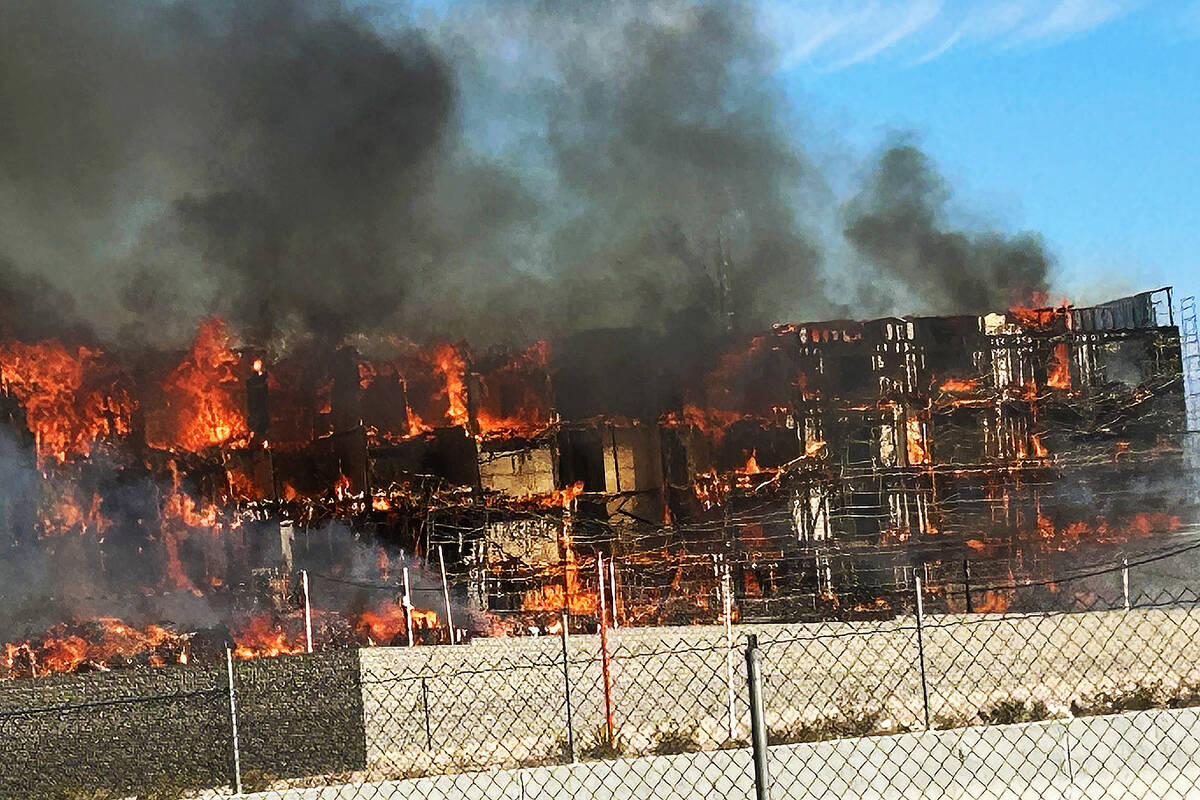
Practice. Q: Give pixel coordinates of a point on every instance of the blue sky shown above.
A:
(1079, 120)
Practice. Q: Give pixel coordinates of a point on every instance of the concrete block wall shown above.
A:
(301, 715)
(137, 729)
(65, 733)
(485, 714)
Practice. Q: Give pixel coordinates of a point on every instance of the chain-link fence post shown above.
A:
(1125, 581)
(606, 669)
(727, 613)
(446, 597)
(425, 704)
(967, 584)
(612, 587)
(567, 690)
(921, 648)
(237, 753)
(758, 722)
(308, 640)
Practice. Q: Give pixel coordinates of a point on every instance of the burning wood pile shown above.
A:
(815, 466)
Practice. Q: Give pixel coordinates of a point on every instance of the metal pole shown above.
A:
(1070, 763)
(237, 754)
(425, 703)
(967, 583)
(446, 595)
(921, 650)
(307, 611)
(600, 591)
(406, 602)
(758, 723)
(567, 691)
(727, 612)
(612, 585)
(608, 708)
(1125, 581)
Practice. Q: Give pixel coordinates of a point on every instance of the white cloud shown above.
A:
(942, 48)
(915, 18)
(831, 35)
(1070, 17)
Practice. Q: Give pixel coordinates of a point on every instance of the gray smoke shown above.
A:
(688, 184)
(898, 222)
(503, 172)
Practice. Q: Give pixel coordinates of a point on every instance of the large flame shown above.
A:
(515, 397)
(388, 624)
(1060, 368)
(263, 637)
(72, 397)
(67, 647)
(452, 368)
(75, 401)
(203, 403)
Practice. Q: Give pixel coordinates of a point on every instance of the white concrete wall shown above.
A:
(1134, 756)
(500, 703)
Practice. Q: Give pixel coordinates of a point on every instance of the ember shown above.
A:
(96, 644)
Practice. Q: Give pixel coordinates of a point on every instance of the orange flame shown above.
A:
(417, 426)
(711, 422)
(515, 398)
(993, 601)
(1039, 450)
(67, 646)
(203, 406)
(385, 624)
(918, 453)
(565, 497)
(1060, 373)
(959, 385)
(71, 398)
(66, 514)
(451, 365)
(551, 597)
(262, 638)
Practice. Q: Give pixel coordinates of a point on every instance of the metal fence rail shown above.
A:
(1053, 704)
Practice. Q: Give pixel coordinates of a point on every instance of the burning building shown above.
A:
(816, 468)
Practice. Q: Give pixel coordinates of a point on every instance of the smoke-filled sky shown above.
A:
(490, 170)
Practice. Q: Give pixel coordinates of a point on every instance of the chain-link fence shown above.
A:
(1093, 703)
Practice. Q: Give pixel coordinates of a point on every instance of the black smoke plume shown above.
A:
(898, 223)
(504, 171)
